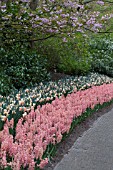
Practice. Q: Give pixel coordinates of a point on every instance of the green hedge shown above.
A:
(101, 50)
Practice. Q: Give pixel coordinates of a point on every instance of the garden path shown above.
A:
(94, 149)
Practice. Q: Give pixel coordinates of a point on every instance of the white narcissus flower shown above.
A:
(51, 97)
(32, 107)
(13, 112)
(21, 102)
(39, 95)
(3, 118)
(37, 99)
(75, 89)
(27, 90)
(48, 98)
(20, 108)
(25, 113)
(5, 110)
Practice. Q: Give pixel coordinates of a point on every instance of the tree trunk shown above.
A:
(33, 4)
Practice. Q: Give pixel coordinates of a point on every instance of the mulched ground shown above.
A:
(64, 146)
(57, 76)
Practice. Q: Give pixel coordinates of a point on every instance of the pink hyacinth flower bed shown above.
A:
(45, 125)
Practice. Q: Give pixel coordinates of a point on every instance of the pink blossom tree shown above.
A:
(29, 21)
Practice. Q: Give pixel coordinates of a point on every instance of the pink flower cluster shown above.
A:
(46, 125)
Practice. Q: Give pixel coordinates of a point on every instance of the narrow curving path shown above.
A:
(94, 149)
(65, 146)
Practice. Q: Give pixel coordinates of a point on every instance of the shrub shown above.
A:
(24, 67)
(5, 84)
(71, 57)
(71, 66)
(51, 50)
(75, 60)
(102, 55)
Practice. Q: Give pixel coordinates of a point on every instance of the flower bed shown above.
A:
(20, 102)
(25, 146)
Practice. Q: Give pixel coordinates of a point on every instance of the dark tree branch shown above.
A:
(105, 32)
(33, 40)
(108, 2)
(100, 32)
(88, 1)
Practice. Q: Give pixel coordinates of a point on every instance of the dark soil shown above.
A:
(57, 76)
(65, 145)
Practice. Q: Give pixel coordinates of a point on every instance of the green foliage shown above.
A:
(5, 84)
(51, 49)
(23, 67)
(102, 55)
(71, 57)
(71, 66)
(75, 59)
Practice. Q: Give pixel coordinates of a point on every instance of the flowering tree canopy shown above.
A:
(32, 20)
